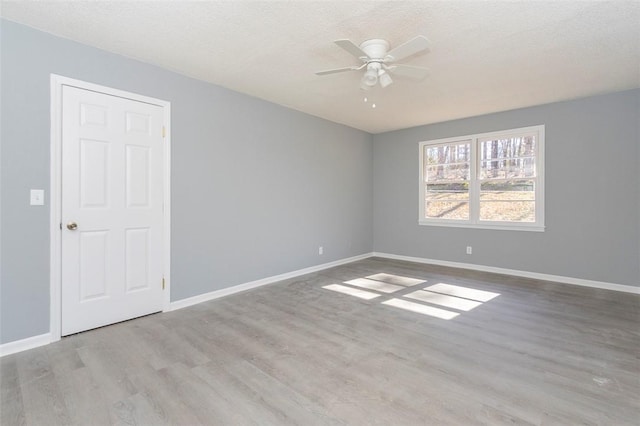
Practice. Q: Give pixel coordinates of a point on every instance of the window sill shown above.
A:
(498, 227)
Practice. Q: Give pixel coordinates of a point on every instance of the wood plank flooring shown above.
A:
(302, 351)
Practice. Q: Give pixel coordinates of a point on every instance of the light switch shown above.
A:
(37, 197)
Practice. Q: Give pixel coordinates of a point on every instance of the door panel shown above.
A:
(137, 176)
(137, 258)
(112, 188)
(94, 173)
(93, 265)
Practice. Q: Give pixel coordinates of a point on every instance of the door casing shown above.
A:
(55, 191)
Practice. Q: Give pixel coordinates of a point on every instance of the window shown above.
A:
(490, 180)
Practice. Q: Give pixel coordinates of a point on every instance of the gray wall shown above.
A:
(592, 203)
(256, 187)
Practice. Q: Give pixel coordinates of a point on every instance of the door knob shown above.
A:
(72, 226)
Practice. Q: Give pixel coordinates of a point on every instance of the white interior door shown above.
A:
(112, 201)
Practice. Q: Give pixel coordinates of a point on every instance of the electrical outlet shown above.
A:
(37, 197)
(469, 250)
(320, 250)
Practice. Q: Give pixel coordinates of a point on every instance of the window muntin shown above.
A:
(489, 180)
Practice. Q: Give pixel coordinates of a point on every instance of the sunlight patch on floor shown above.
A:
(375, 285)
(426, 301)
(361, 294)
(396, 279)
(443, 300)
(465, 292)
(421, 309)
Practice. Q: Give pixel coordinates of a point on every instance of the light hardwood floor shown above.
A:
(296, 352)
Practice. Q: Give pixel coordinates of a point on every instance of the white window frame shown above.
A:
(474, 183)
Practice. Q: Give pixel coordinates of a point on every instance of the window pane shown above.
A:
(457, 152)
(505, 158)
(517, 146)
(459, 171)
(508, 168)
(447, 210)
(508, 211)
(508, 190)
(447, 168)
(450, 191)
(447, 162)
(512, 201)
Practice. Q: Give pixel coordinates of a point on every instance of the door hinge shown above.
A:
(163, 283)
(164, 132)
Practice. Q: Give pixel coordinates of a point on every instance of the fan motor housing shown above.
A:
(375, 48)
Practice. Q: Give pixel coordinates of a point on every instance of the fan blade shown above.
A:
(417, 73)
(409, 48)
(351, 48)
(333, 71)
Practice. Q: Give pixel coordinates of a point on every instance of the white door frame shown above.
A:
(55, 200)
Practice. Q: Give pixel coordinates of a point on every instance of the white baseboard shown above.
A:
(515, 272)
(183, 303)
(24, 344)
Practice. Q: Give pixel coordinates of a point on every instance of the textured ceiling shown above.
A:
(485, 56)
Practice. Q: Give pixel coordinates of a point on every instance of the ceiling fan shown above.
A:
(378, 61)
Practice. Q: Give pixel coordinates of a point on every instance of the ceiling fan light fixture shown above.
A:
(370, 78)
(380, 62)
(384, 78)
